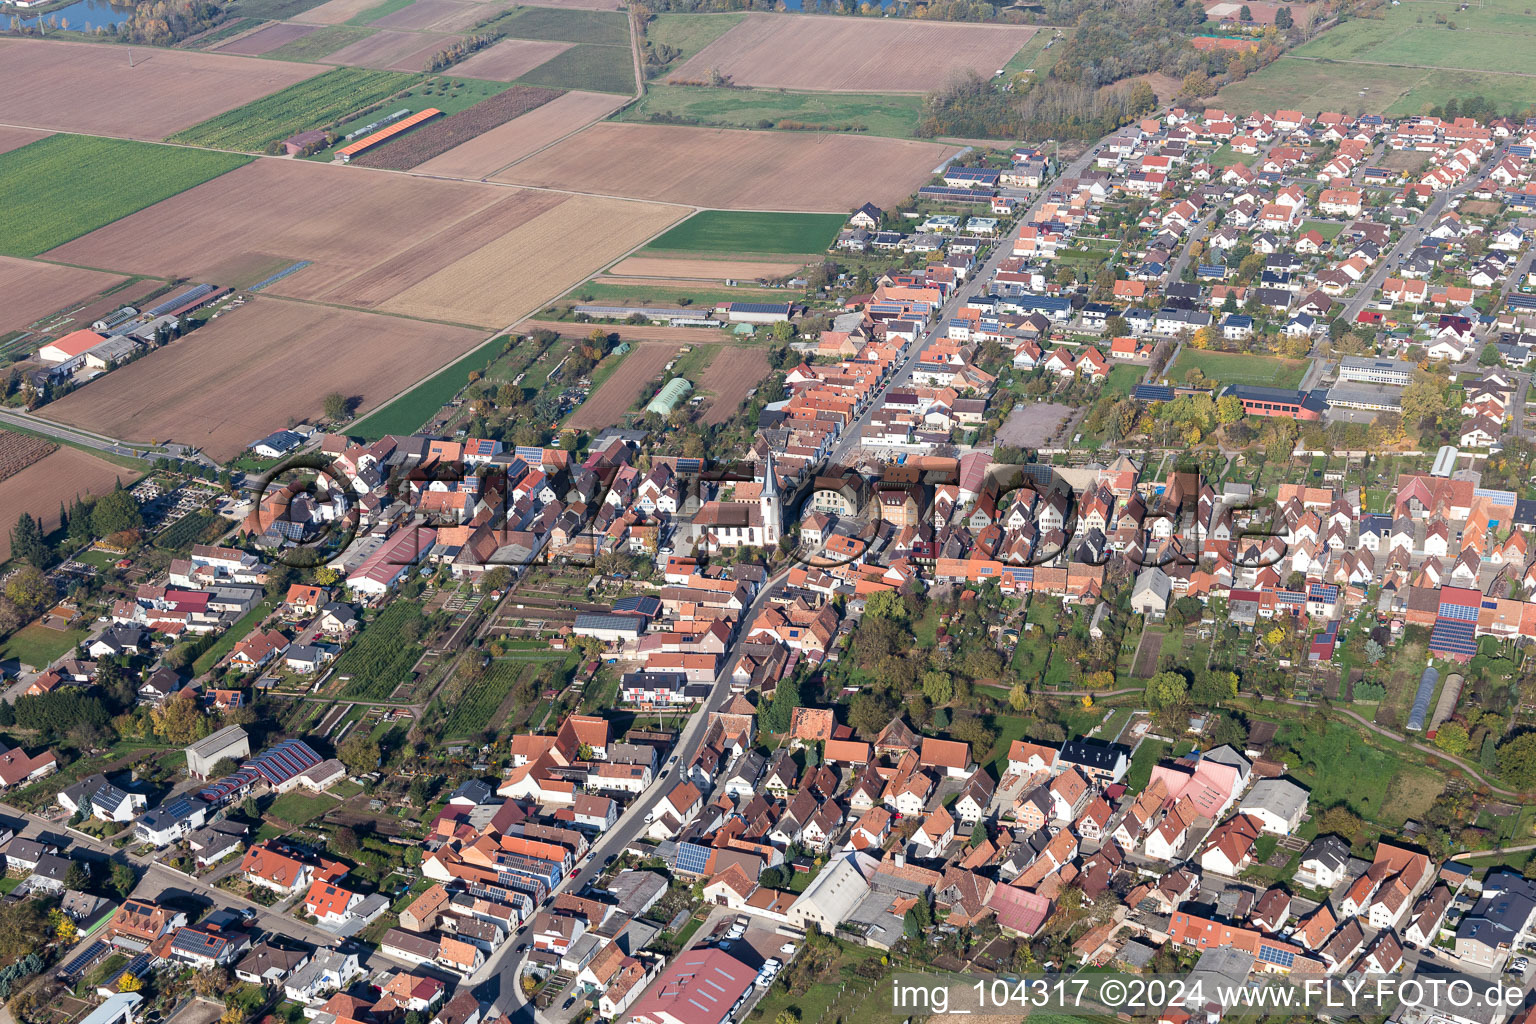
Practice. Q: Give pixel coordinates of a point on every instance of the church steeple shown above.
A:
(768, 502)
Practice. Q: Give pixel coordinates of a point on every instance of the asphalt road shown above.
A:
(496, 982)
(96, 442)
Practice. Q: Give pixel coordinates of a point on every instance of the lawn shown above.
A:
(406, 414)
(232, 636)
(300, 808)
(891, 116)
(1232, 368)
(1038, 55)
(1226, 156)
(1329, 229)
(1340, 766)
(737, 233)
(1148, 753)
(1123, 378)
(1371, 88)
(320, 101)
(588, 66)
(65, 186)
(37, 645)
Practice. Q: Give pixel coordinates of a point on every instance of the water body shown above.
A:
(82, 16)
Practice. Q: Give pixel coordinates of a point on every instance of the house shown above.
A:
(329, 970)
(1229, 848)
(1277, 804)
(1103, 763)
(1499, 922)
(267, 964)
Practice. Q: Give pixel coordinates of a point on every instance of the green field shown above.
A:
(270, 10)
(373, 14)
(1329, 229)
(1487, 37)
(1314, 85)
(728, 231)
(1037, 55)
(450, 95)
(588, 66)
(601, 28)
(482, 697)
(407, 413)
(64, 186)
(1123, 378)
(300, 808)
(1340, 766)
(38, 645)
(320, 42)
(315, 103)
(701, 294)
(1230, 368)
(381, 657)
(690, 33)
(892, 116)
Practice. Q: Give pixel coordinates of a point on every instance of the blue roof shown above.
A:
(1152, 393)
(1450, 636)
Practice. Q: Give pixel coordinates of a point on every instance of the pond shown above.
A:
(82, 16)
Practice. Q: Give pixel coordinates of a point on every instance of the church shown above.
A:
(720, 525)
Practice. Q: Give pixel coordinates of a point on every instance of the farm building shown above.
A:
(67, 352)
(207, 752)
(758, 312)
(669, 397)
(390, 561)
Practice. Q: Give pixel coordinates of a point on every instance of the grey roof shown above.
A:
(1281, 796)
(1505, 908)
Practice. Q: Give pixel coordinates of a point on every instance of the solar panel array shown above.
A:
(1450, 637)
(79, 964)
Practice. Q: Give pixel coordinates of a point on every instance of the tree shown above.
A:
(336, 406)
(938, 687)
(122, 879)
(1452, 738)
(1489, 356)
(27, 542)
(359, 752)
(1166, 689)
(1213, 687)
(1339, 821)
(78, 876)
(1229, 409)
(1245, 14)
(1426, 398)
(1018, 697)
(29, 590)
(1517, 760)
(978, 834)
(127, 982)
(180, 720)
(116, 512)
(1283, 19)
(1374, 652)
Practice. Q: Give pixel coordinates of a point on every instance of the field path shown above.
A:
(1411, 67)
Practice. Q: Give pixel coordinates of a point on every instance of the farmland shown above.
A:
(381, 657)
(731, 374)
(374, 237)
(436, 138)
(333, 12)
(266, 39)
(601, 28)
(514, 140)
(510, 58)
(319, 42)
(731, 170)
(43, 487)
(636, 374)
(64, 186)
(407, 413)
(585, 66)
(727, 231)
(701, 269)
(311, 104)
(439, 15)
(893, 116)
(18, 451)
(1227, 368)
(819, 53)
(389, 50)
(267, 364)
(1372, 88)
(86, 87)
(31, 290)
(687, 34)
(15, 138)
(475, 710)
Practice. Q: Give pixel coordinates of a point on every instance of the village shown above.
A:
(455, 727)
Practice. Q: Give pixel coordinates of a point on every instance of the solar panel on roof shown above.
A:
(1458, 612)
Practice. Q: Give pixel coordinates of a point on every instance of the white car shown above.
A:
(788, 949)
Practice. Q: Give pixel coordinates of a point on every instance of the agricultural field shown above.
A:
(437, 137)
(29, 291)
(258, 368)
(438, 15)
(893, 116)
(725, 169)
(407, 413)
(701, 269)
(266, 39)
(190, 529)
(317, 44)
(312, 104)
(475, 710)
(730, 375)
(388, 50)
(1231, 368)
(589, 67)
(46, 485)
(510, 59)
(687, 34)
(732, 232)
(546, 124)
(15, 138)
(826, 54)
(64, 186)
(332, 12)
(271, 10)
(90, 87)
(18, 451)
(444, 250)
(382, 656)
(635, 376)
(600, 28)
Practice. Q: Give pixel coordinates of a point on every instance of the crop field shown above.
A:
(701, 270)
(1229, 368)
(64, 186)
(576, 5)
(15, 138)
(510, 58)
(820, 53)
(381, 657)
(476, 710)
(606, 406)
(407, 413)
(731, 374)
(690, 33)
(271, 363)
(729, 231)
(18, 451)
(437, 137)
(891, 115)
(87, 87)
(499, 147)
(266, 39)
(316, 45)
(45, 485)
(602, 28)
(333, 12)
(503, 283)
(726, 169)
(388, 50)
(31, 290)
(586, 66)
(270, 10)
(375, 239)
(1487, 37)
(438, 15)
(312, 104)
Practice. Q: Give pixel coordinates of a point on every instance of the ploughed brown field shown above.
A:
(53, 481)
(257, 368)
(510, 59)
(730, 375)
(29, 290)
(334, 12)
(529, 133)
(815, 52)
(607, 405)
(89, 87)
(15, 138)
(438, 136)
(729, 169)
(701, 270)
(266, 39)
(386, 50)
(457, 251)
(442, 15)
